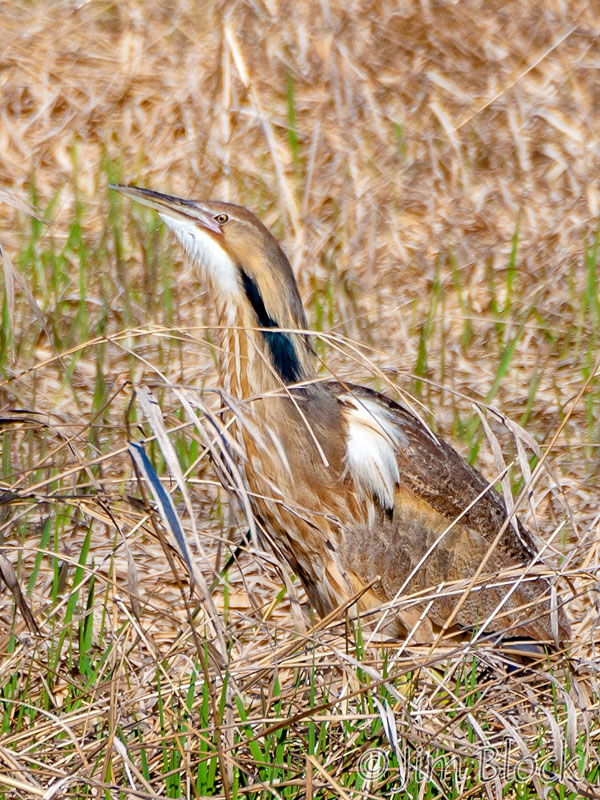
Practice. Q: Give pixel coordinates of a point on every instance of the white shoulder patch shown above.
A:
(371, 449)
(202, 248)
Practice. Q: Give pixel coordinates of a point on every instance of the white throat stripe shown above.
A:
(202, 248)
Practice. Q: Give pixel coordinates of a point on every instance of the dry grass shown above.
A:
(395, 149)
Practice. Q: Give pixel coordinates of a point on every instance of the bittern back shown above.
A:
(348, 486)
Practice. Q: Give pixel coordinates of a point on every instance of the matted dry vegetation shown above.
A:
(433, 171)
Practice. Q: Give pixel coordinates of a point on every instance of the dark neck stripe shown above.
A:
(254, 296)
(280, 344)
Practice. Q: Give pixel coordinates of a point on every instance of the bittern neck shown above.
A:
(261, 354)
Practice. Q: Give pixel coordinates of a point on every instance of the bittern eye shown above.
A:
(221, 219)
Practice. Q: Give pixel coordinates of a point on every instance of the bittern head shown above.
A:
(248, 270)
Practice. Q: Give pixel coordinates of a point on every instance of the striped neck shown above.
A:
(257, 357)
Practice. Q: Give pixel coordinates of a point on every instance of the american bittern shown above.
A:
(349, 486)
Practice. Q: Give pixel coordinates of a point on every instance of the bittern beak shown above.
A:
(169, 206)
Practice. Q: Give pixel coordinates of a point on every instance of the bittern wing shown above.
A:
(432, 519)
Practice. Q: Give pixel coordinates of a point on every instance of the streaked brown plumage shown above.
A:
(349, 486)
